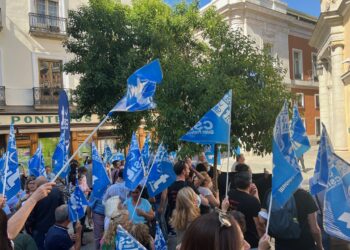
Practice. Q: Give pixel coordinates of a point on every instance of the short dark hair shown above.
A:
(201, 167)
(207, 233)
(241, 167)
(179, 167)
(243, 179)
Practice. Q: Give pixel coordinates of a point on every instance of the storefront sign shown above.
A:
(43, 120)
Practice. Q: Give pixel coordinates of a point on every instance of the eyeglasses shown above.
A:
(223, 218)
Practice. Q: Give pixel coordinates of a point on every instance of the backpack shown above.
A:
(284, 222)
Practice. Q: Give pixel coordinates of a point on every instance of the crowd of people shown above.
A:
(193, 212)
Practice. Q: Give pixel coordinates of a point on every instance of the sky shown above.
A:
(311, 7)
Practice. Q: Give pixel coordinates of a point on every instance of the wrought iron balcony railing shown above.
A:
(2, 96)
(44, 25)
(49, 96)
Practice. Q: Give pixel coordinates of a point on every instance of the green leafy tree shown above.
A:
(202, 58)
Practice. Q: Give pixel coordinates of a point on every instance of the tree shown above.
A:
(201, 57)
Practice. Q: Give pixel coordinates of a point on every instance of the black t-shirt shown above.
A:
(57, 238)
(250, 207)
(174, 189)
(305, 206)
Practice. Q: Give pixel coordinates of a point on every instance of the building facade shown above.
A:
(285, 34)
(332, 39)
(31, 77)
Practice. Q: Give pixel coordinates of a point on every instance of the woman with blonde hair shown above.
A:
(109, 237)
(186, 211)
(206, 189)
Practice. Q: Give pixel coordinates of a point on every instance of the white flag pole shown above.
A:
(80, 146)
(228, 147)
(6, 170)
(269, 215)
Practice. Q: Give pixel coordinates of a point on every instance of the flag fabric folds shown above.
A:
(133, 171)
(300, 141)
(125, 241)
(118, 156)
(209, 154)
(11, 174)
(159, 241)
(36, 164)
(141, 89)
(162, 174)
(100, 180)
(76, 205)
(336, 216)
(145, 152)
(60, 157)
(64, 118)
(213, 127)
(286, 175)
(107, 153)
(318, 182)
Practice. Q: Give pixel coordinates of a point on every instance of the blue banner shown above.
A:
(162, 173)
(159, 241)
(107, 153)
(209, 154)
(318, 182)
(299, 139)
(133, 171)
(286, 175)
(36, 164)
(13, 184)
(60, 157)
(214, 126)
(64, 118)
(100, 180)
(145, 152)
(141, 89)
(76, 205)
(126, 242)
(336, 220)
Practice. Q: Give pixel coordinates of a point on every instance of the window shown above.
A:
(314, 66)
(47, 7)
(317, 101)
(300, 99)
(298, 64)
(50, 74)
(317, 126)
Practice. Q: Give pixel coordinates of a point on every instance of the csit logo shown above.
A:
(203, 125)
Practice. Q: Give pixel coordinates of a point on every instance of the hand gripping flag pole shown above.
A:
(139, 97)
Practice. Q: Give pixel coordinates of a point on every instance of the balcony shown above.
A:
(47, 26)
(2, 97)
(47, 98)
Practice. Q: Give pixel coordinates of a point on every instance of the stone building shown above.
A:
(332, 39)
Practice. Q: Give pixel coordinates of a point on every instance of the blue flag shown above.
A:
(36, 164)
(237, 151)
(159, 241)
(126, 242)
(209, 154)
(60, 157)
(299, 139)
(145, 153)
(11, 173)
(318, 182)
(141, 88)
(100, 180)
(162, 173)
(336, 216)
(172, 156)
(64, 118)
(118, 156)
(133, 170)
(107, 153)
(286, 175)
(214, 126)
(76, 205)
